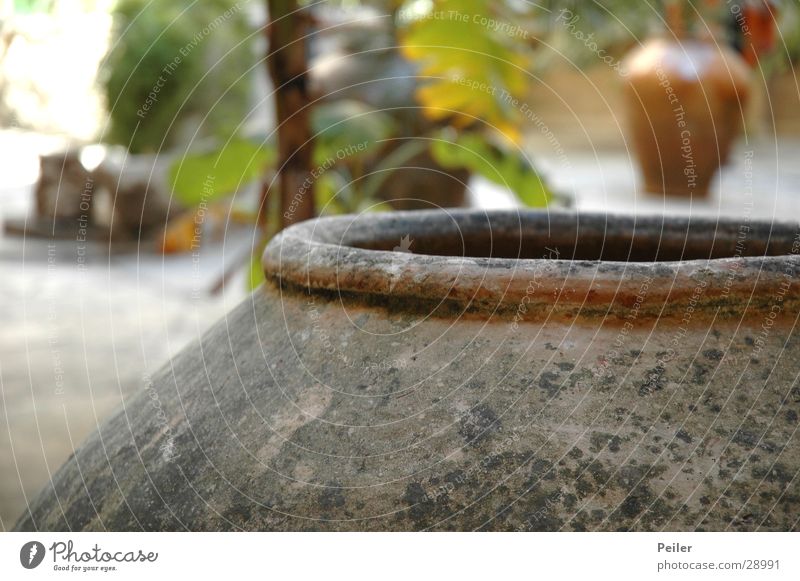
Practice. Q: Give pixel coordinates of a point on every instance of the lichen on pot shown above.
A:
(466, 370)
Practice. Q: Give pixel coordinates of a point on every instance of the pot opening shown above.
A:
(647, 242)
(578, 261)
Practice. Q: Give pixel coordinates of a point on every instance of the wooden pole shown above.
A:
(287, 66)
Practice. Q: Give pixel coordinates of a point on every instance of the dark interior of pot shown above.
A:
(591, 238)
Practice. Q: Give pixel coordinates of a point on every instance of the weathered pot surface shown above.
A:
(498, 371)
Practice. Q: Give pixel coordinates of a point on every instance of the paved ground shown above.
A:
(73, 342)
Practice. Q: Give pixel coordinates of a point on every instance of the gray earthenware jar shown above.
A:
(467, 370)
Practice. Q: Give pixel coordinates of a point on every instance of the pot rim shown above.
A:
(344, 255)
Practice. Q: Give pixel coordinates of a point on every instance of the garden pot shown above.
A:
(467, 370)
(686, 102)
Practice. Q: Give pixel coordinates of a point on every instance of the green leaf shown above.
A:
(508, 168)
(205, 177)
(477, 63)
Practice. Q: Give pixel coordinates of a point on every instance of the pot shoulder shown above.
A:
(308, 412)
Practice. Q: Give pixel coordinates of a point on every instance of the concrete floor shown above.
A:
(74, 343)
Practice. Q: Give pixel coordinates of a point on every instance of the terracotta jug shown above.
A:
(686, 103)
(467, 370)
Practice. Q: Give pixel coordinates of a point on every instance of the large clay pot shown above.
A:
(685, 102)
(499, 371)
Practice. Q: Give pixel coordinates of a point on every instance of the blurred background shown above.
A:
(142, 144)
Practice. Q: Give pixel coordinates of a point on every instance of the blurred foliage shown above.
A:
(474, 65)
(475, 57)
(788, 50)
(476, 61)
(617, 25)
(338, 125)
(348, 136)
(196, 55)
(496, 164)
(352, 153)
(205, 177)
(614, 25)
